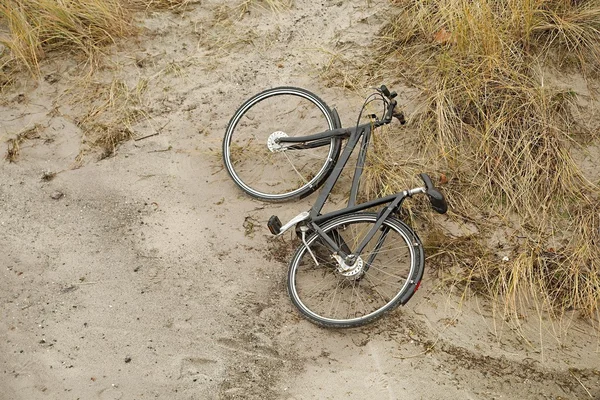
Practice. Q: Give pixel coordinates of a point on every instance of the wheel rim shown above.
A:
(270, 174)
(326, 296)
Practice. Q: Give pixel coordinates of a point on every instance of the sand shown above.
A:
(146, 273)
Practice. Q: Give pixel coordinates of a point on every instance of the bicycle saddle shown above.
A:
(436, 198)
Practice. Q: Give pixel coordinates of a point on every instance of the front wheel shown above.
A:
(269, 171)
(385, 275)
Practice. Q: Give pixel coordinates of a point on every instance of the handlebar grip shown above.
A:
(385, 91)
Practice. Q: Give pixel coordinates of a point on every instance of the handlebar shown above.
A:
(390, 112)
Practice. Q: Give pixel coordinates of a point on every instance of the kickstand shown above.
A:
(308, 248)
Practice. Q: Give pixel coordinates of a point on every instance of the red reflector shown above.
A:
(418, 285)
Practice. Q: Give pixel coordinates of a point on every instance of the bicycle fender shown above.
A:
(336, 118)
(415, 279)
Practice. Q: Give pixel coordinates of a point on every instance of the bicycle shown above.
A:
(353, 266)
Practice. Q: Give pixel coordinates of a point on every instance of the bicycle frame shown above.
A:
(314, 218)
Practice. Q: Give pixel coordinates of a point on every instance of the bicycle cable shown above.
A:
(377, 96)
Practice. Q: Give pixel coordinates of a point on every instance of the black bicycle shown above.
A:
(353, 266)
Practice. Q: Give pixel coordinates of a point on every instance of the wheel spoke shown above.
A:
(374, 288)
(296, 170)
(335, 294)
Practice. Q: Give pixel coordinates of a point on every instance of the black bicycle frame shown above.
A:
(315, 218)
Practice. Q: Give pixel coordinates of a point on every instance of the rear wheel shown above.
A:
(385, 275)
(266, 170)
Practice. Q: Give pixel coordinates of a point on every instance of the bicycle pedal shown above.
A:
(274, 225)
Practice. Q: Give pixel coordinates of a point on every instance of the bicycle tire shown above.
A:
(279, 175)
(327, 298)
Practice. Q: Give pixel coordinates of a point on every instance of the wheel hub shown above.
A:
(354, 270)
(273, 146)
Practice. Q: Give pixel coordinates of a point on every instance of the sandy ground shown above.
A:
(148, 274)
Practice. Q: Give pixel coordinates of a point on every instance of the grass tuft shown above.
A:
(83, 26)
(115, 108)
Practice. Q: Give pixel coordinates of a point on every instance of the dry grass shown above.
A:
(161, 4)
(225, 33)
(501, 134)
(245, 6)
(385, 170)
(14, 144)
(83, 26)
(223, 36)
(113, 111)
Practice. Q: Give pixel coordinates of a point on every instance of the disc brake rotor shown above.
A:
(353, 270)
(273, 146)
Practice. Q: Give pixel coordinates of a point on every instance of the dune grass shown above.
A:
(36, 27)
(84, 27)
(500, 134)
